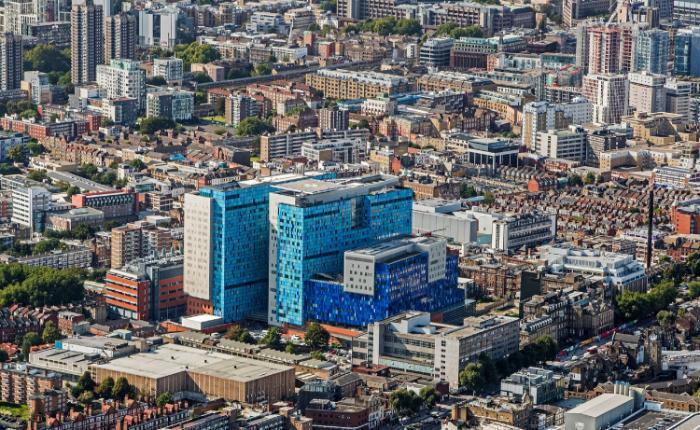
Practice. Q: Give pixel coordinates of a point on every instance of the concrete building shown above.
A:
(174, 104)
(604, 44)
(158, 27)
(647, 92)
(538, 383)
(274, 146)
(11, 61)
(87, 47)
(436, 51)
(120, 36)
(239, 107)
(116, 205)
(78, 257)
(137, 240)
(619, 271)
(267, 22)
(334, 118)
(512, 231)
(70, 219)
(609, 96)
(651, 51)
(9, 141)
(599, 413)
(346, 84)
(444, 218)
(123, 78)
(566, 144)
(544, 116)
(170, 69)
(175, 368)
(410, 342)
(352, 151)
(30, 203)
(38, 86)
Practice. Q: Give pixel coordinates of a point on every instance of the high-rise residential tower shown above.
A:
(11, 66)
(87, 50)
(651, 51)
(121, 36)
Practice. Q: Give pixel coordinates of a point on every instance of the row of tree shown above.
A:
(386, 26)
(405, 402)
(476, 376)
(315, 337)
(637, 305)
(39, 286)
(86, 390)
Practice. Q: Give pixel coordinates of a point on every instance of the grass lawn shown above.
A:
(15, 410)
(219, 119)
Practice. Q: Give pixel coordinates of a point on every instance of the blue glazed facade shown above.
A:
(400, 285)
(312, 239)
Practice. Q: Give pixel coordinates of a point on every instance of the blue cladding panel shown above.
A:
(400, 286)
(312, 239)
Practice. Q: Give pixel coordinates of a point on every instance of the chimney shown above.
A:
(650, 227)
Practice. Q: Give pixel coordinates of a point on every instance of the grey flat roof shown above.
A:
(601, 405)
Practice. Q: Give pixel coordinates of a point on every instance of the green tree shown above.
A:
(155, 124)
(47, 58)
(318, 355)
(694, 289)
(273, 338)
(30, 339)
(196, 52)
(329, 5)
(157, 81)
(50, 333)
(467, 191)
(262, 69)
(316, 336)
(404, 402)
(253, 126)
(164, 398)
(239, 334)
(104, 391)
(290, 348)
(83, 232)
(137, 164)
(18, 154)
(430, 396)
(201, 77)
(408, 27)
(3, 356)
(121, 388)
(589, 178)
(665, 318)
(72, 190)
(471, 377)
(37, 175)
(575, 181)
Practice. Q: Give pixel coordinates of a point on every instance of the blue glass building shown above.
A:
(226, 245)
(651, 51)
(687, 52)
(313, 223)
(400, 284)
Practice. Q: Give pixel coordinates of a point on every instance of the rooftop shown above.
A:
(601, 405)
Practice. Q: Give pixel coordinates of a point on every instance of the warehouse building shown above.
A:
(177, 368)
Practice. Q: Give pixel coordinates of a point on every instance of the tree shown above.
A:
(589, 178)
(137, 164)
(86, 397)
(47, 58)
(155, 124)
(104, 391)
(196, 52)
(201, 77)
(489, 198)
(665, 318)
(30, 339)
(157, 81)
(239, 334)
(84, 384)
(262, 69)
(408, 27)
(37, 175)
(467, 191)
(253, 126)
(50, 333)
(405, 402)
(290, 348)
(220, 106)
(318, 355)
(3, 356)
(636, 305)
(72, 190)
(273, 338)
(430, 396)
(121, 388)
(575, 181)
(18, 154)
(316, 336)
(329, 6)
(164, 398)
(471, 377)
(83, 232)
(694, 289)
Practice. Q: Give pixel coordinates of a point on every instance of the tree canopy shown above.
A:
(454, 31)
(316, 336)
(636, 305)
(154, 124)
(387, 26)
(47, 58)
(196, 52)
(405, 402)
(253, 126)
(39, 286)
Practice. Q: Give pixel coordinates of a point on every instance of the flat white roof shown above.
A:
(601, 405)
(202, 318)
